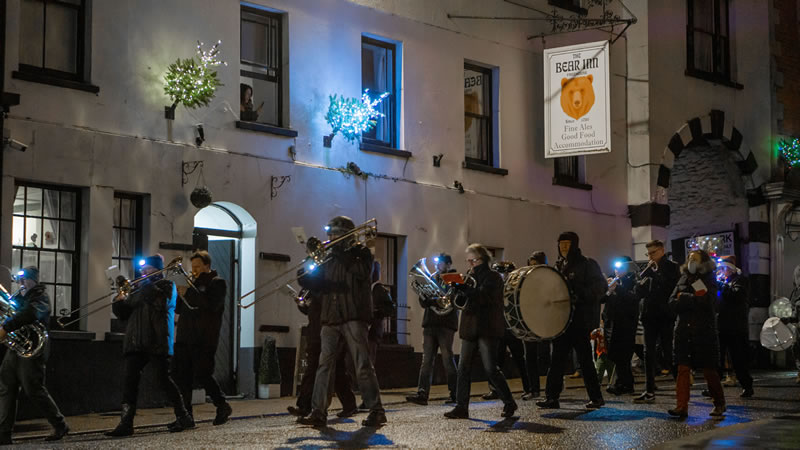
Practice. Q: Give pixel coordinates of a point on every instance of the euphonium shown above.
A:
(425, 286)
(27, 341)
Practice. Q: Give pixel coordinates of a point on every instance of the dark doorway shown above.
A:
(223, 256)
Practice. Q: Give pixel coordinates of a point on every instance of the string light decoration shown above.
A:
(711, 245)
(790, 152)
(351, 117)
(193, 82)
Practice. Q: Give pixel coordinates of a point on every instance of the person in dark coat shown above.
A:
(482, 327)
(733, 306)
(587, 285)
(658, 282)
(32, 304)
(150, 315)
(343, 284)
(621, 319)
(695, 340)
(437, 335)
(198, 335)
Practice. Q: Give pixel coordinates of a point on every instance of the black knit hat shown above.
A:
(445, 258)
(569, 236)
(340, 225)
(155, 261)
(30, 273)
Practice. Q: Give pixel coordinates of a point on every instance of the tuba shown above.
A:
(29, 340)
(425, 286)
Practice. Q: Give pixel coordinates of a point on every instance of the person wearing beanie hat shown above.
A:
(733, 311)
(620, 320)
(149, 313)
(33, 305)
(587, 284)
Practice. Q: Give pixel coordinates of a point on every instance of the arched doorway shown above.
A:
(228, 232)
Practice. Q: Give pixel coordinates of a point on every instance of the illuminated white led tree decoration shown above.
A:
(351, 117)
(790, 151)
(193, 81)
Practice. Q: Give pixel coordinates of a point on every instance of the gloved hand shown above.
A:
(313, 244)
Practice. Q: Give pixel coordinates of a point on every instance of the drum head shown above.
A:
(545, 302)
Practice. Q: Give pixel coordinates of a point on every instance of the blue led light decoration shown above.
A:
(351, 117)
(194, 81)
(790, 152)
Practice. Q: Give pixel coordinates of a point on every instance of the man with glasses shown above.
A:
(658, 282)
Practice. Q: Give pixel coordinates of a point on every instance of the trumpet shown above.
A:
(125, 288)
(317, 256)
(650, 266)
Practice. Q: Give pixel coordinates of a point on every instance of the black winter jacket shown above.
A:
(31, 307)
(200, 327)
(621, 315)
(432, 320)
(150, 316)
(483, 316)
(734, 305)
(695, 342)
(655, 291)
(342, 285)
(586, 284)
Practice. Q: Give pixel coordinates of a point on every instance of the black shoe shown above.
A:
(299, 412)
(224, 411)
(530, 395)
(418, 399)
(647, 397)
(705, 393)
(58, 433)
(316, 419)
(123, 429)
(548, 404)
(185, 422)
(347, 412)
(509, 409)
(457, 413)
(450, 401)
(680, 413)
(746, 393)
(6, 440)
(595, 404)
(374, 419)
(491, 395)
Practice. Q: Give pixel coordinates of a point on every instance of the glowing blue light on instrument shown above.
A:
(312, 267)
(436, 259)
(618, 265)
(141, 262)
(21, 273)
(327, 228)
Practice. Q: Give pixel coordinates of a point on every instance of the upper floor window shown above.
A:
(570, 5)
(570, 171)
(127, 235)
(478, 117)
(379, 74)
(46, 234)
(708, 52)
(261, 87)
(54, 39)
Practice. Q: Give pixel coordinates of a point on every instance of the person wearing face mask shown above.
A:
(587, 285)
(696, 345)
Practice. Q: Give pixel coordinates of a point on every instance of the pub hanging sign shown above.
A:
(577, 104)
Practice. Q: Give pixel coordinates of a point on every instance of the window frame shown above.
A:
(489, 82)
(718, 74)
(138, 203)
(392, 330)
(576, 180)
(391, 99)
(76, 252)
(264, 17)
(566, 4)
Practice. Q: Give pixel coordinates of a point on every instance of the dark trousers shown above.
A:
(737, 345)
(135, 364)
(576, 337)
(194, 364)
(433, 340)
(488, 349)
(517, 354)
(27, 373)
(532, 366)
(657, 333)
(621, 353)
(375, 336)
(341, 383)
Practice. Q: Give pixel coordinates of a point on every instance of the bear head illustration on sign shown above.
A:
(577, 96)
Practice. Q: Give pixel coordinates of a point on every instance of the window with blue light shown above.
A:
(127, 232)
(379, 65)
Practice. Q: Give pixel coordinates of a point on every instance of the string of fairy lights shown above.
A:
(351, 117)
(193, 82)
(790, 151)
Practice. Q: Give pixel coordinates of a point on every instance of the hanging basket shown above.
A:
(201, 197)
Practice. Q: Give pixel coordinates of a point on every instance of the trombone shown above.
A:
(125, 288)
(363, 233)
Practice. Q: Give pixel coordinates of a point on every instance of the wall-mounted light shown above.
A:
(12, 144)
(353, 167)
(201, 135)
(437, 159)
(457, 184)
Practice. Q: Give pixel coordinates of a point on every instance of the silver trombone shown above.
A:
(318, 256)
(125, 288)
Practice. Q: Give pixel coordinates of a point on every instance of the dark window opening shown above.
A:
(261, 61)
(478, 119)
(708, 40)
(127, 233)
(570, 5)
(378, 74)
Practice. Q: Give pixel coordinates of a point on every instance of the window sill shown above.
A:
(366, 147)
(566, 182)
(713, 78)
(484, 168)
(44, 79)
(264, 128)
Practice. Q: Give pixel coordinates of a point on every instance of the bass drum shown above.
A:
(537, 303)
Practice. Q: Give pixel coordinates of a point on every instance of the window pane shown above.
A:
(66, 237)
(63, 302)
(50, 205)
(723, 63)
(703, 54)
(30, 32)
(34, 202)
(33, 232)
(64, 268)
(723, 17)
(704, 14)
(51, 294)
(19, 200)
(30, 258)
(126, 268)
(67, 205)
(62, 38)
(115, 243)
(50, 239)
(16, 262)
(47, 267)
(126, 243)
(254, 42)
(116, 211)
(18, 231)
(128, 212)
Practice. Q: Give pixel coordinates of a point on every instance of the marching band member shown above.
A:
(732, 320)
(149, 312)
(198, 334)
(621, 319)
(533, 348)
(482, 326)
(437, 334)
(28, 373)
(587, 284)
(343, 285)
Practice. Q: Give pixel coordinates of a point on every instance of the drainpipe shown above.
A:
(3, 107)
